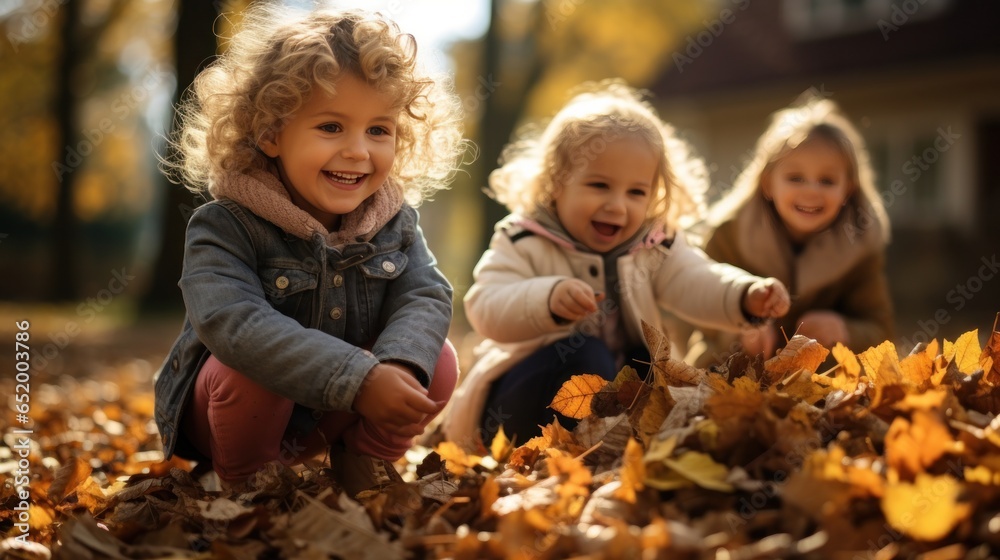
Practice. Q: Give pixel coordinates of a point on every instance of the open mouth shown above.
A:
(809, 209)
(345, 178)
(605, 229)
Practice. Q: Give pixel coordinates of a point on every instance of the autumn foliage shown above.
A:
(814, 453)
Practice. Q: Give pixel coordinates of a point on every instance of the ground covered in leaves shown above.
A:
(815, 453)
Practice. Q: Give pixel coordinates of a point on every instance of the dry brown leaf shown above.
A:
(347, 533)
(68, 477)
(667, 371)
(928, 509)
(654, 412)
(989, 360)
(574, 398)
(801, 352)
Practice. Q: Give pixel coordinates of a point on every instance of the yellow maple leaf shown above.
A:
(702, 470)
(660, 449)
(801, 352)
(912, 447)
(500, 447)
(847, 375)
(741, 400)
(926, 510)
(873, 358)
(965, 352)
(918, 368)
(457, 461)
(633, 472)
(575, 396)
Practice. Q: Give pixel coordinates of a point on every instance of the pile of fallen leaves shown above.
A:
(876, 457)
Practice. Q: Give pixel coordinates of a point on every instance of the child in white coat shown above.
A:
(590, 250)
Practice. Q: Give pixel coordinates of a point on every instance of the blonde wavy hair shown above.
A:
(600, 113)
(810, 117)
(275, 59)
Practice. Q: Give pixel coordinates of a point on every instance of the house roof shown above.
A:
(756, 45)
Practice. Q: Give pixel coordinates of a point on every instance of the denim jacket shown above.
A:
(296, 315)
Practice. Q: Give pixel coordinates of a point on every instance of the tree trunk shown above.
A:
(65, 227)
(194, 46)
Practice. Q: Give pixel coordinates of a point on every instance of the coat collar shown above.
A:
(263, 194)
(830, 254)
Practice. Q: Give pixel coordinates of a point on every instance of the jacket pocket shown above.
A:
(289, 290)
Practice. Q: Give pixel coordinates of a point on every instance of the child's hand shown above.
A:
(760, 340)
(767, 298)
(827, 327)
(572, 299)
(393, 399)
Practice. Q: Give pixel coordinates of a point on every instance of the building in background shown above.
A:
(920, 78)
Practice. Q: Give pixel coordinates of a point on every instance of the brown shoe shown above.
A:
(357, 473)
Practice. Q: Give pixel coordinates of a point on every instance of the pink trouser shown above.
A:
(241, 425)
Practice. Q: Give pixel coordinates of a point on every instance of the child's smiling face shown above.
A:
(604, 203)
(809, 186)
(336, 150)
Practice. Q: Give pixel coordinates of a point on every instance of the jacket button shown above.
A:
(338, 281)
(336, 313)
(593, 271)
(175, 363)
(388, 267)
(281, 282)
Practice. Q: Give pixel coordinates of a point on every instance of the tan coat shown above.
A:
(509, 302)
(840, 269)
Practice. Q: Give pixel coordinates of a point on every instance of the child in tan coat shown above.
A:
(806, 211)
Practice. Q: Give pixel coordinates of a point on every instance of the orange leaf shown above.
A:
(846, 377)
(456, 460)
(500, 447)
(800, 353)
(633, 472)
(919, 368)
(68, 477)
(926, 510)
(575, 396)
(489, 492)
(911, 448)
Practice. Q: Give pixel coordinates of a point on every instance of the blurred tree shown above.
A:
(78, 46)
(194, 46)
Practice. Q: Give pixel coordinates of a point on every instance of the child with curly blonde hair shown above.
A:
(591, 250)
(316, 314)
(806, 211)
